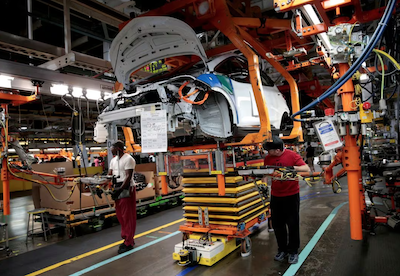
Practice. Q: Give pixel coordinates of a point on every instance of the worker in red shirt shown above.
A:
(285, 200)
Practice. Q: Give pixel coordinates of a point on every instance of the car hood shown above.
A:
(151, 38)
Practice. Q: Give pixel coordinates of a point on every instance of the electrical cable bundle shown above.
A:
(357, 64)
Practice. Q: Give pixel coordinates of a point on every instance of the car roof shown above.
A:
(217, 60)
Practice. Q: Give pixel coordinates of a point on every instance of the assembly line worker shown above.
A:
(285, 200)
(122, 167)
(310, 152)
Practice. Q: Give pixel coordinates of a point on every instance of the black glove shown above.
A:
(116, 193)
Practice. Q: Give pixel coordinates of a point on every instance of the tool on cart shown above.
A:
(389, 172)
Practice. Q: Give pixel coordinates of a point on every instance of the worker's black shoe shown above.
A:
(280, 256)
(293, 258)
(124, 248)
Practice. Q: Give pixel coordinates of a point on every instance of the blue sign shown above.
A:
(326, 129)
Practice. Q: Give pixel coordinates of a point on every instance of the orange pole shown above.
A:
(221, 184)
(4, 168)
(164, 185)
(351, 161)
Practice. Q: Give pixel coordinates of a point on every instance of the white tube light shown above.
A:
(59, 89)
(93, 94)
(77, 92)
(5, 81)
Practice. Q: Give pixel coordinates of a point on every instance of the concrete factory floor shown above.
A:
(333, 254)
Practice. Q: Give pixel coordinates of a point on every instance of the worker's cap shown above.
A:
(276, 143)
(119, 144)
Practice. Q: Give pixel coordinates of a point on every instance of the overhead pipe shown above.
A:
(67, 27)
(30, 28)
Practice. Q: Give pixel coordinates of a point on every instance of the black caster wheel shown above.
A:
(245, 247)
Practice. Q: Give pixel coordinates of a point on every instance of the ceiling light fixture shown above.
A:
(59, 89)
(5, 81)
(77, 92)
(93, 94)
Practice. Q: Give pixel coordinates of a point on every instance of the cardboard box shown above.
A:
(50, 167)
(157, 180)
(73, 203)
(148, 192)
(146, 168)
(38, 190)
(170, 190)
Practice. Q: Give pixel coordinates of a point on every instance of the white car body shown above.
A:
(229, 112)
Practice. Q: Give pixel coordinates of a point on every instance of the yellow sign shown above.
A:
(216, 172)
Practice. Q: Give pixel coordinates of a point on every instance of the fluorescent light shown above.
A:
(95, 148)
(59, 89)
(23, 128)
(5, 81)
(77, 92)
(93, 94)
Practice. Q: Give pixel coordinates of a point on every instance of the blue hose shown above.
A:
(367, 51)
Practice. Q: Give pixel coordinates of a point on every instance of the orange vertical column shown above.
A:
(221, 184)
(351, 160)
(4, 171)
(164, 185)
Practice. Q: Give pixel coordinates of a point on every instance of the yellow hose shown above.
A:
(395, 63)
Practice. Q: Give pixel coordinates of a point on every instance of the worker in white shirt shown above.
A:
(122, 167)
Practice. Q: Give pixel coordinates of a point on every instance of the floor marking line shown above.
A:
(186, 270)
(13, 238)
(152, 237)
(311, 244)
(95, 266)
(76, 258)
(164, 232)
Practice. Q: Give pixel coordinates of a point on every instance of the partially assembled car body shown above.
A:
(212, 100)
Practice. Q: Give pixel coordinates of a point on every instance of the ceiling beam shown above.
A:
(98, 11)
(40, 50)
(80, 41)
(24, 71)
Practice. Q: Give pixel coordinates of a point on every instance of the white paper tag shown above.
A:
(328, 135)
(154, 131)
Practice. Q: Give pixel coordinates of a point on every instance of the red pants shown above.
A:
(126, 214)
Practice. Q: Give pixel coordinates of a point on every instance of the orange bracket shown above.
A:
(223, 21)
(294, 94)
(131, 146)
